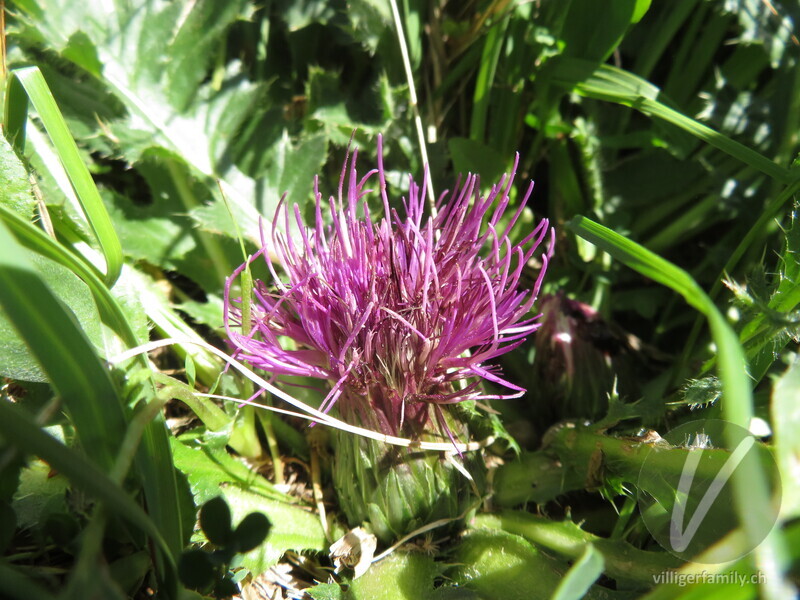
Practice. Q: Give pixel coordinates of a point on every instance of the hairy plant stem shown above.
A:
(576, 457)
(567, 539)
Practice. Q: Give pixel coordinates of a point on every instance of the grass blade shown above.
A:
(19, 429)
(66, 355)
(580, 577)
(37, 240)
(616, 85)
(31, 80)
(486, 74)
(152, 459)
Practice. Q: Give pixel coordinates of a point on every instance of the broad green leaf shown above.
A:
(565, 538)
(325, 591)
(208, 313)
(503, 566)
(302, 14)
(16, 360)
(293, 528)
(400, 576)
(371, 21)
(155, 61)
(212, 470)
(15, 190)
(338, 110)
(251, 531)
(170, 325)
(129, 571)
(286, 168)
(215, 521)
(39, 495)
(474, 157)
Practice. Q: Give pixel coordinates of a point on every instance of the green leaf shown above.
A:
(616, 85)
(785, 421)
(293, 528)
(286, 168)
(15, 190)
(16, 586)
(771, 304)
(749, 481)
(371, 21)
(593, 30)
(580, 577)
(502, 566)
(325, 591)
(19, 429)
(158, 474)
(111, 307)
(338, 110)
(16, 360)
(251, 532)
(129, 571)
(81, 51)
(474, 157)
(30, 78)
(156, 61)
(565, 538)
(400, 576)
(64, 352)
(196, 569)
(210, 470)
(39, 495)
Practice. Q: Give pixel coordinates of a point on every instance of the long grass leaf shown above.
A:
(581, 575)
(617, 85)
(19, 429)
(63, 350)
(157, 472)
(37, 240)
(36, 89)
(486, 74)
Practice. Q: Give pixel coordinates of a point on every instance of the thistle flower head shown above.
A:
(402, 314)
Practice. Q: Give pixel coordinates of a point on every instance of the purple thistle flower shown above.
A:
(398, 315)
